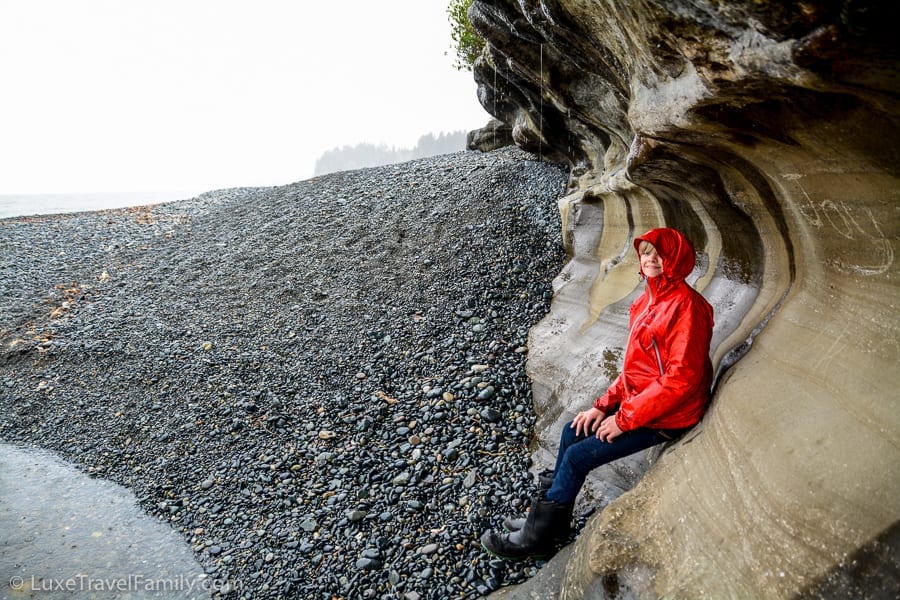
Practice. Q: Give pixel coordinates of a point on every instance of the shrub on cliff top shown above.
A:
(466, 42)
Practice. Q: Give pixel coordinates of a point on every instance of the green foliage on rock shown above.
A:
(467, 44)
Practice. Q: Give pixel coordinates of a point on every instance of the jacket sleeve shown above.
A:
(613, 396)
(616, 392)
(685, 352)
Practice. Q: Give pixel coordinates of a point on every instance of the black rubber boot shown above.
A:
(545, 481)
(548, 524)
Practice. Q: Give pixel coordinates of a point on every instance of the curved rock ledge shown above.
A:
(767, 132)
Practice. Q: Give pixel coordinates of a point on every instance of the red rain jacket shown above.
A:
(667, 373)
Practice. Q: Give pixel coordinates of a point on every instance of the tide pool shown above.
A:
(64, 534)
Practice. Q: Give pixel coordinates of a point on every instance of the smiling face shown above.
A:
(651, 263)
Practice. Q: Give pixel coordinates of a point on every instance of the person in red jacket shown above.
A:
(662, 391)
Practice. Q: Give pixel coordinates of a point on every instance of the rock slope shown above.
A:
(321, 386)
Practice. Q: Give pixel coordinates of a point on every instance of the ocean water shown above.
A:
(18, 205)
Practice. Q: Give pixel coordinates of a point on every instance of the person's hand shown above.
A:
(586, 422)
(608, 430)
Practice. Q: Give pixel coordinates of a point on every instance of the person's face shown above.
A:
(651, 263)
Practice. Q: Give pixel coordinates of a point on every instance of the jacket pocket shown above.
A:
(659, 362)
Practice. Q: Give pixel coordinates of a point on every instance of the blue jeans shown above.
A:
(578, 455)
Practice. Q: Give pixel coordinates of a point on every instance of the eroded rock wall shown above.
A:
(768, 133)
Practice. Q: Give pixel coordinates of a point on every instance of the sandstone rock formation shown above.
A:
(767, 132)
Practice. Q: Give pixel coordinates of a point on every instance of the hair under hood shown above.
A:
(675, 250)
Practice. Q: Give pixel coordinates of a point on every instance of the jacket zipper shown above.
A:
(659, 362)
(637, 323)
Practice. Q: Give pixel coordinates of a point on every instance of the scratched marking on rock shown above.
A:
(857, 224)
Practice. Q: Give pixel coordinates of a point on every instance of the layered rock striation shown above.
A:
(767, 132)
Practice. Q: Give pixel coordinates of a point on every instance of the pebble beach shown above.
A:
(321, 386)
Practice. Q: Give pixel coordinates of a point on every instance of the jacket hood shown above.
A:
(677, 252)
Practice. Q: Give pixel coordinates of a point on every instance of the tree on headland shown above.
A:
(467, 44)
(370, 155)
